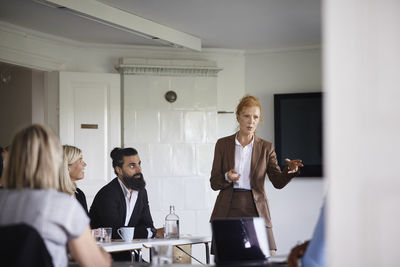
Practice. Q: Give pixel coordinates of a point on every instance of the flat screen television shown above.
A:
(298, 131)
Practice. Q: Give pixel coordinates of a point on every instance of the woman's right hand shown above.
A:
(233, 175)
(86, 252)
(296, 253)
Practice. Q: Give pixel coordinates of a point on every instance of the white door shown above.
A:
(90, 120)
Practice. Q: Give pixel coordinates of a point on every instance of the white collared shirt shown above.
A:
(243, 164)
(130, 201)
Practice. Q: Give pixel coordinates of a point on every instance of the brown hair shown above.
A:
(248, 101)
(34, 159)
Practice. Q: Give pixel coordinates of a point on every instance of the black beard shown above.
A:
(135, 182)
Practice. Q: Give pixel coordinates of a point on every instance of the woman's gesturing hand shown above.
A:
(294, 165)
(233, 175)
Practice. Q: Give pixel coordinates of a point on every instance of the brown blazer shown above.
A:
(263, 161)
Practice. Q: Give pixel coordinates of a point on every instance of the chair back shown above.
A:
(21, 245)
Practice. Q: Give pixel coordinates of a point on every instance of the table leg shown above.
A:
(207, 253)
(139, 255)
(136, 255)
(150, 255)
(133, 256)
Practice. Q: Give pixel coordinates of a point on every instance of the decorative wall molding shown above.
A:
(163, 67)
(167, 70)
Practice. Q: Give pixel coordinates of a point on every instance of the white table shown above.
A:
(119, 245)
(138, 244)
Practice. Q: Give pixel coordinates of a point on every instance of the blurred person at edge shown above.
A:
(240, 164)
(312, 252)
(30, 196)
(3, 161)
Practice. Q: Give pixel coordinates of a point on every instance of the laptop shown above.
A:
(240, 242)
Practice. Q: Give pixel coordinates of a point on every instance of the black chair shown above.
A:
(21, 245)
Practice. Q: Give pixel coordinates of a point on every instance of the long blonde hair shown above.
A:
(34, 159)
(70, 155)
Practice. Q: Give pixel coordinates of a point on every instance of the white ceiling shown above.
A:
(230, 24)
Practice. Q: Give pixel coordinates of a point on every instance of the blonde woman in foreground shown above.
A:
(30, 196)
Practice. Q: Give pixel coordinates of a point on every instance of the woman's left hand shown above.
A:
(294, 165)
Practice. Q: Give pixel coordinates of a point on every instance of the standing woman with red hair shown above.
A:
(240, 164)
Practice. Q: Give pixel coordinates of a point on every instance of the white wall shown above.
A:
(175, 142)
(362, 63)
(295, 208)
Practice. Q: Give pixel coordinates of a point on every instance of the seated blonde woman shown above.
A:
(72, 169)
(31, 197)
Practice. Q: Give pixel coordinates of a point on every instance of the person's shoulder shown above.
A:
(79, 191)
(110, 187)
(142, 191)
(263, 142)
(226, 139)
(54, 194)
(54, 198)
(108, 192)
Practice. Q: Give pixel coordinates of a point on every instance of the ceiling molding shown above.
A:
(113, 17)
(294, 49)
(29, 60)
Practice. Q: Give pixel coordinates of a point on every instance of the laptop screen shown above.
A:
(239, 240)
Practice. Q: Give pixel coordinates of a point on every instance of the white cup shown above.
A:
(126, 233)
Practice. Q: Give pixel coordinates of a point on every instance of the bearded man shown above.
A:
(123, 202)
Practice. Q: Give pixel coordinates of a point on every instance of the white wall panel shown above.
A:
(203, 226)
(205, 93)
(204, 158)
(183, 160)
(187, 222)
(171, 126)
(160, 160)
(195, 193)
(195, 126)
(147, 126)
(129, 126)
(184, 87)
(158, 86)
(178, 141)
(136, 95)
(173, 193)
(211, 127)
(154, 190)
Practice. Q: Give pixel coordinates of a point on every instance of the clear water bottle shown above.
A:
(172, 224)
